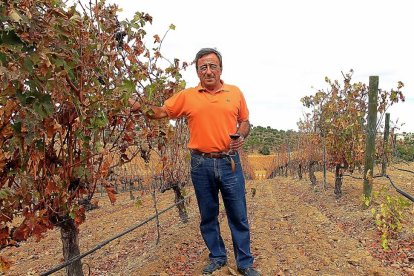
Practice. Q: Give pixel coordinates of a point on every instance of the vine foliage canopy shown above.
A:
(66, 74)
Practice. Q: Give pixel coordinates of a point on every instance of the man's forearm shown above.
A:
(156, 112)
(244, 128)
(152, 111)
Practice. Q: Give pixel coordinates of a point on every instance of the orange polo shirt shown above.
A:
(211, 117)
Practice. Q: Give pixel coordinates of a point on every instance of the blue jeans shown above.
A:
(209, 176)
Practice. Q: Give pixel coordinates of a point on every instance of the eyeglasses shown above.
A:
(213, 67)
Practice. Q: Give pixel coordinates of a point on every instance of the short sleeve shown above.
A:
(174, 106)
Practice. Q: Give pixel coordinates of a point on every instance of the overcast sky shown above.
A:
(280, 51)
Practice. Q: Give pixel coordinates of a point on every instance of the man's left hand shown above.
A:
(237, 144)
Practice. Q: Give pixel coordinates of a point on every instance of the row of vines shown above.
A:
(335, 136)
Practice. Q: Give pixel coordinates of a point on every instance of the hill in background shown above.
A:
(266, 140)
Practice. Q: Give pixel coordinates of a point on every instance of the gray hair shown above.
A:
(206, 51)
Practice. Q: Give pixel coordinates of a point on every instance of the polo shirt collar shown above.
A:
(224, 87)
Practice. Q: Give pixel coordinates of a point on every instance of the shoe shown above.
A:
(213, 266)
(250, 271)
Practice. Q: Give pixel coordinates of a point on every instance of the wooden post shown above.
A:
(370, 140)
(394, 143)
(385, 149)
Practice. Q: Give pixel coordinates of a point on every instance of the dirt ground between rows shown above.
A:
(296, 229)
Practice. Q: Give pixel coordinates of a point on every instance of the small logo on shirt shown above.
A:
(228, 100)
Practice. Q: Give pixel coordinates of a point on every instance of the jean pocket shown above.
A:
(196, 162)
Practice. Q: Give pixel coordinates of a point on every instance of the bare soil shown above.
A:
(296, 229)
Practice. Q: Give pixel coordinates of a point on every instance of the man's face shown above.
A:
(209, 71)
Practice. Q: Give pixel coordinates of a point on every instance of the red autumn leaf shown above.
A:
(111, 194)
(51, 188)
(8, 109)
(157, 39)
(130, 126)
(3, 160)
(132, 58)
(4, 235)
(6, 131)
(38, 231)
(51, 127)
(43, 69)
(21, 233)
(105, 167)
(80, 215)
(30, 220)
(128, 138)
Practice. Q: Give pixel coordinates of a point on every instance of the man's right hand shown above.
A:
(155, 112)
(134, 104)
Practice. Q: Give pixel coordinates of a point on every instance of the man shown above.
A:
(214, 111)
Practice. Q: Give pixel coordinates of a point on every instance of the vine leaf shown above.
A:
(111, 194)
